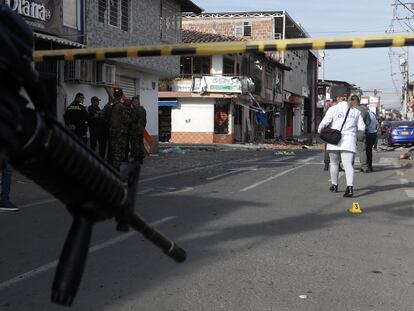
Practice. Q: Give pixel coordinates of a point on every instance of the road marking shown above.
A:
(271, 178)
(39, 203)
(234, 170)
(254, 159)
(409, 193)
(185, 189)
(404, 181)
(145, 191)
(32, 273)
(400, 173)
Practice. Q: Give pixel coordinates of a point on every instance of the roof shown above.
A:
(58, 40)
(188, 6)
(192, 36)
(337, 82)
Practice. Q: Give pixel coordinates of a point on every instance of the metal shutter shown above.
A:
(128, 85)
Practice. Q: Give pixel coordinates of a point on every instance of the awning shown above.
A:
(169, 103)
(58, 40)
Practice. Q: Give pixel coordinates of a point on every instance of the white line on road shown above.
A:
(400, 173)
(271, 178)
(39, 203)
(403, 181)
(410, 193)
(93, 249)
(185, 189)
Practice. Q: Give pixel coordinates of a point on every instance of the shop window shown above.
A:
(228, 66)
(221, 116)
(170, 23)
(115, 13)
(71, 13)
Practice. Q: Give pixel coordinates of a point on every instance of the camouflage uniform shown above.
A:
(119, 119)
(139, 121)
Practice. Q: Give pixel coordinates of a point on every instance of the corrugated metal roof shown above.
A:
(192, 36)
(58, 40)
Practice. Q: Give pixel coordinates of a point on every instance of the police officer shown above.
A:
(97, 127)
(119, 119)
(362, 138)
(76, 117)
(138, 125)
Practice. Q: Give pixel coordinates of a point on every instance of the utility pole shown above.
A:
(405, 73)
(403, 16)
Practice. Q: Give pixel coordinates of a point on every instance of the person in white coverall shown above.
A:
(346, 148)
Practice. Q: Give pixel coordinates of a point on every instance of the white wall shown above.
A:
(193, 115)
(149, 100)
(70, 90)
(217, 65)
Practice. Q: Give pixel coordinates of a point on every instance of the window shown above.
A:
(202, 65)
(170, 23)
(70, 13)
(243, 29)
(114, 13)
(228, 66)
(186, 65)
(195, 65)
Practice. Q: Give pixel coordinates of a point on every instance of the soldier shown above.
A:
(119, 119)
(76, 117)
(362, 137)
(139, 122)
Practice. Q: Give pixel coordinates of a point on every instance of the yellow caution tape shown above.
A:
(204, 49)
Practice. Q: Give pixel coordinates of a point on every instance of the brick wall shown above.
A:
(262, 28)
(144, 29)
(192, 137)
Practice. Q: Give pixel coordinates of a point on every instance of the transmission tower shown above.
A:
(402, 21)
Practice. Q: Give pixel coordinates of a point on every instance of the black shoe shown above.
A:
(364, 170)
(370, 169)
(8, 206)
(334, 188)
(349, 192)
(341, 169)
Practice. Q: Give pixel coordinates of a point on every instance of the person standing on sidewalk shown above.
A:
(371, 131)
(344, 116)
(97, 126)
(137, 130)
(362, 139)
(76, 117)
(6, 178)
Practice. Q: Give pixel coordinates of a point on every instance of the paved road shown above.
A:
(261, 230)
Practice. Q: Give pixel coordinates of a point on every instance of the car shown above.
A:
(385, 125)
(400, 132)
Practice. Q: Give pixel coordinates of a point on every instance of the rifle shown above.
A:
(46, 152)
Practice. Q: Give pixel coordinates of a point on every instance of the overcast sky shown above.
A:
(368, 68)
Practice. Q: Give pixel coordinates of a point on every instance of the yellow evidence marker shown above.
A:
(356, 209)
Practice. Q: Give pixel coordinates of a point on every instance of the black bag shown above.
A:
(332, 136)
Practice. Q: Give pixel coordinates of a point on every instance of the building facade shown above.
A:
(221, 98)
(106, 23)
(297, 113)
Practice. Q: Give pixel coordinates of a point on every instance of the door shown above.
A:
(289, 122)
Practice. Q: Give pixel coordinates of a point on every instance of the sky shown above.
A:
(367, 68)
